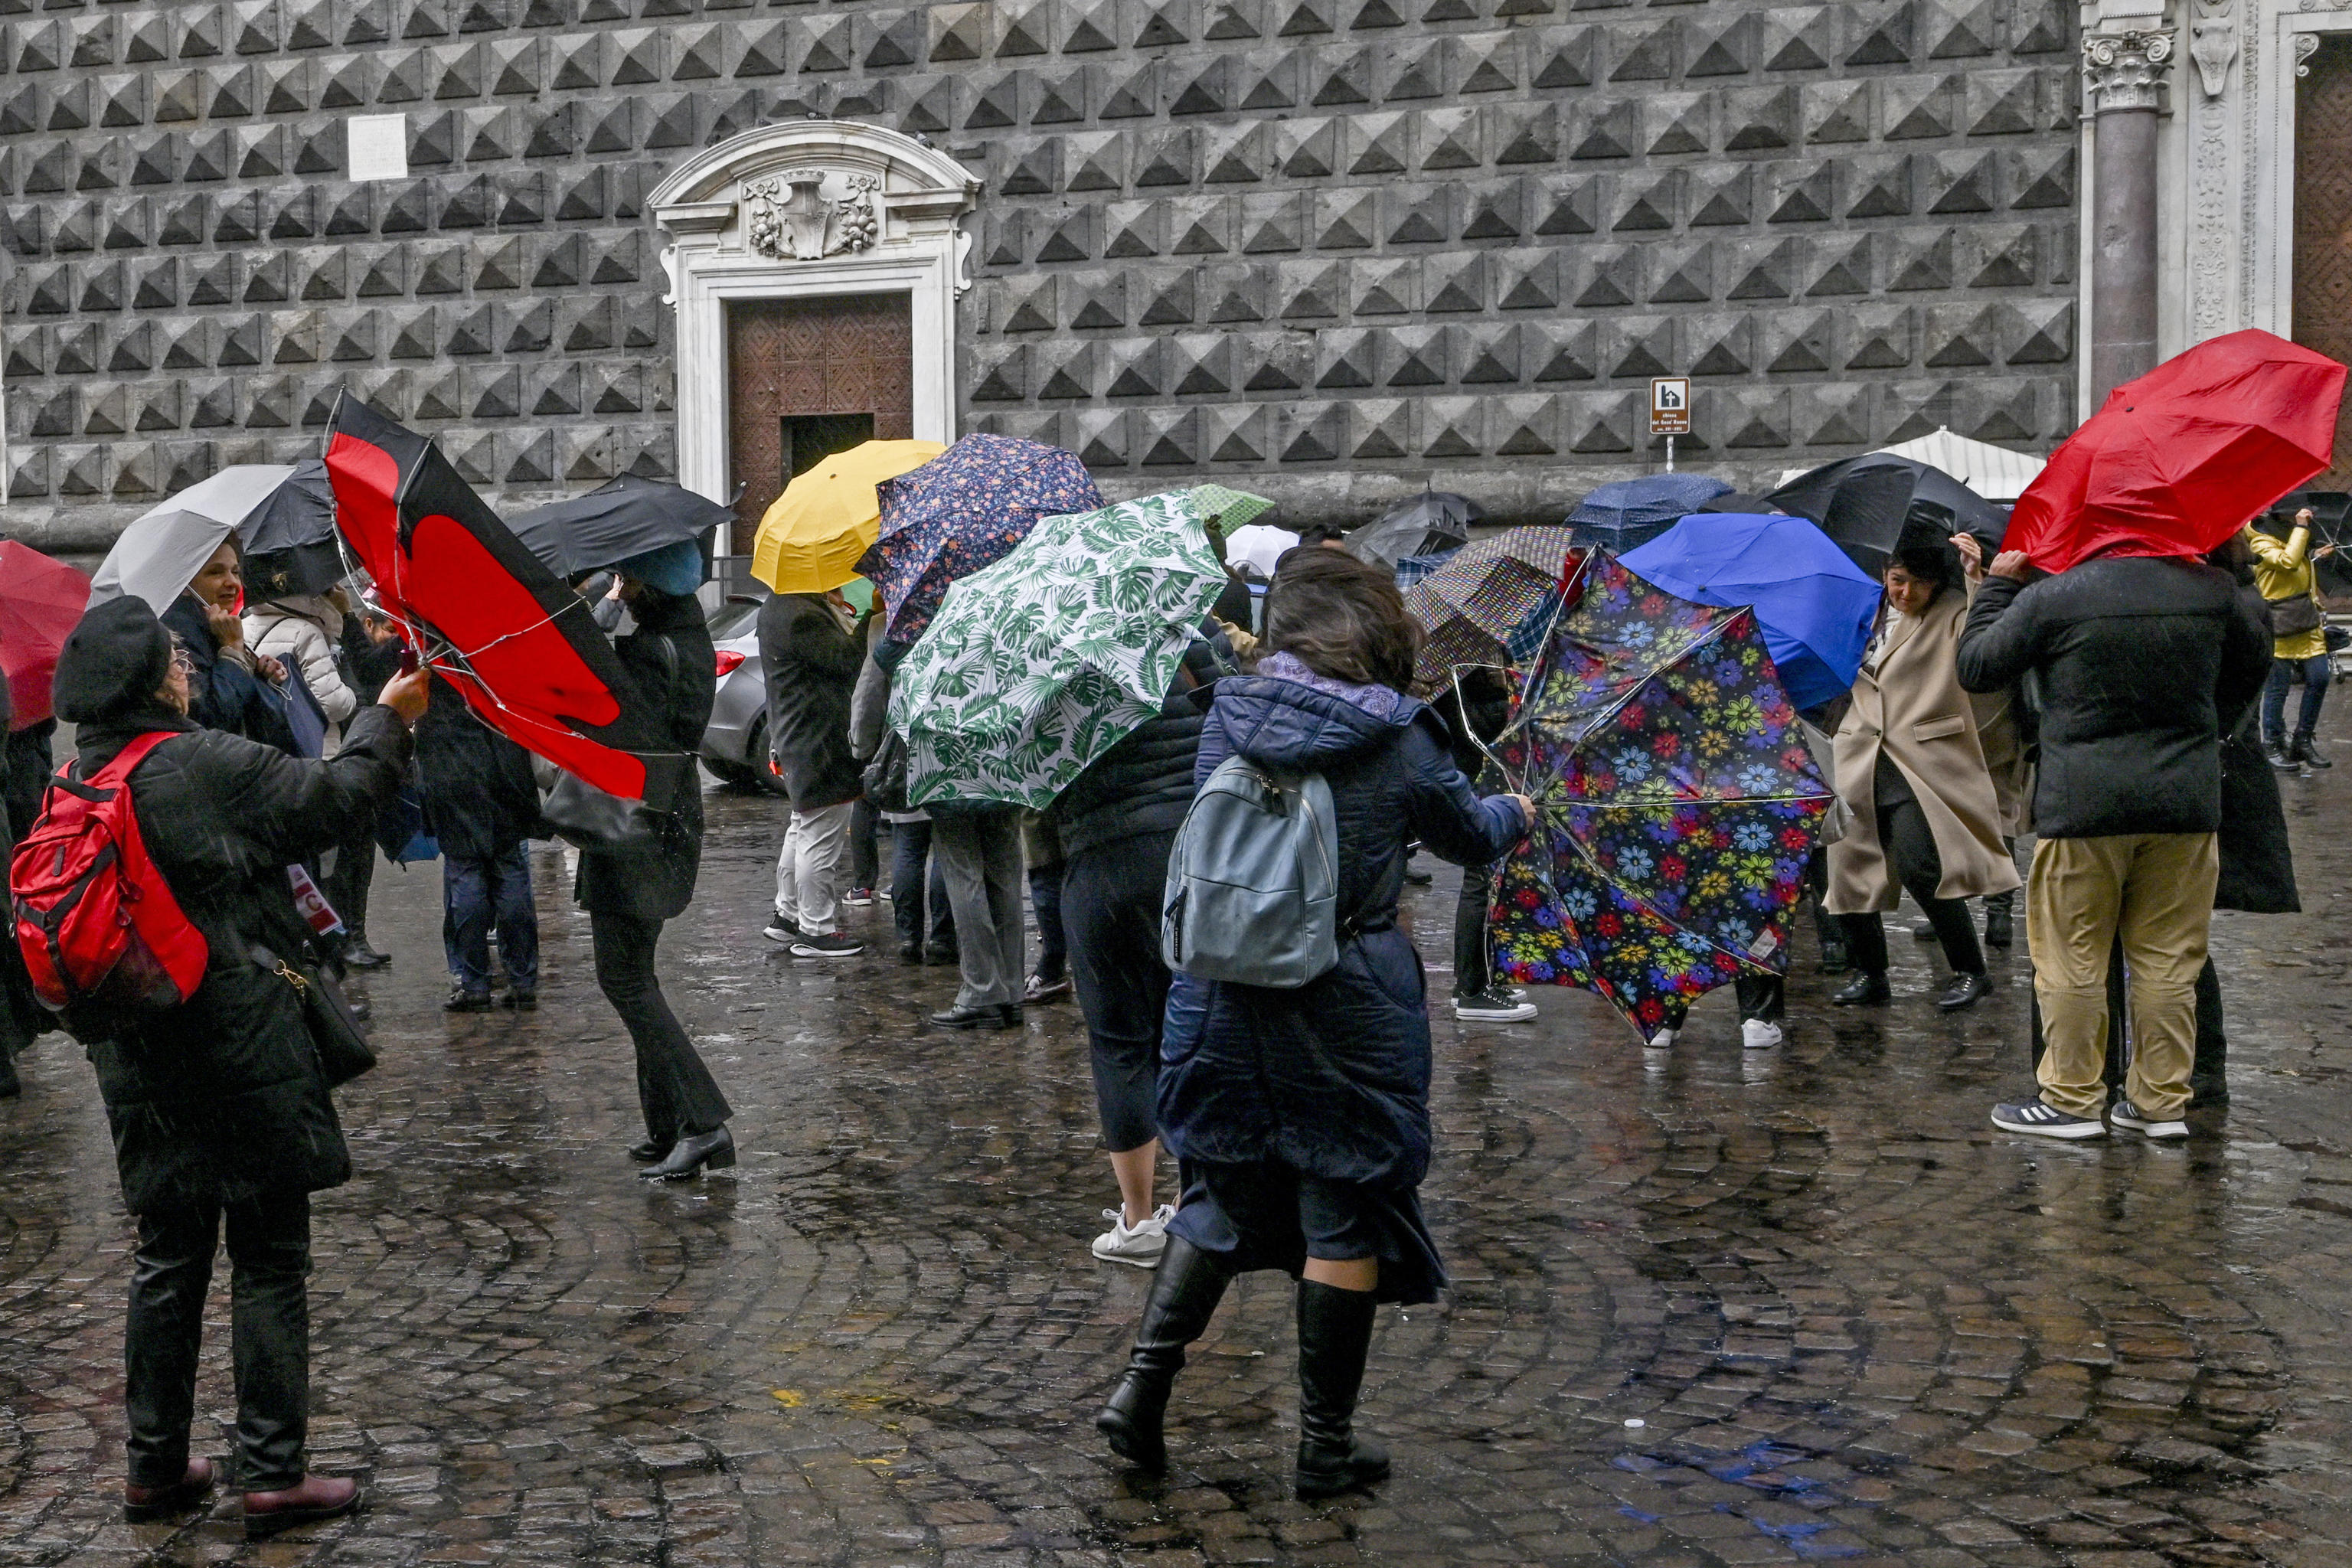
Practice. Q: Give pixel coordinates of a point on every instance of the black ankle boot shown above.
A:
(1335, 1331)
(1863, 990)
(2000, 919)
(2304, 751)
(1185, 1290)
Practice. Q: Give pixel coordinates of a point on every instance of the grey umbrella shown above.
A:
(161, 551)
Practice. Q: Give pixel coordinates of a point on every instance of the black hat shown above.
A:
(117, 658)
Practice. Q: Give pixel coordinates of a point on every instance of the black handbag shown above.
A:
(886, 776)
(591, 818)
(2293, 617)
(343, 1052)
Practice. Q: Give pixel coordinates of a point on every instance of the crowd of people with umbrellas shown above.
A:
(1652, 736)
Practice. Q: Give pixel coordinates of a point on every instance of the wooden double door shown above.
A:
(807, 378)
(2323, 222)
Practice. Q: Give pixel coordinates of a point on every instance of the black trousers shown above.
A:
(1474, 952)
(675, 1088)
(864, 846)
(1111, 917)
(347, 880)
(269, 1336)
(1910, 845)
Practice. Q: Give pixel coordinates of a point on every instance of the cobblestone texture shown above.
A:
(1853, 1322)
(1297, 241)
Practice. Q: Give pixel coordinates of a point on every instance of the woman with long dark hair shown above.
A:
(1300, 1117)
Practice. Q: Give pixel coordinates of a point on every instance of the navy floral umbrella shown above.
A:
(964, 509)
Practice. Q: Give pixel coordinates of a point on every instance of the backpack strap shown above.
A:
(101, 786)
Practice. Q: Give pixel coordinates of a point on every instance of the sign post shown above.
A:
(1670, 411)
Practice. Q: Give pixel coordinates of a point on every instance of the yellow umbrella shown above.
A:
(811, 537)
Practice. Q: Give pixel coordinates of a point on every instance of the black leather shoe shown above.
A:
(910, 955)
(943, 955)
(1966, 991)
(649, 1152)
(464, 1001)
(1012, 1016)
(993, 1016)
(2306, 754)
(521, 1001)
(358, 955)
(715, 1150)
(1862, 991)
(1922, 930)
(1834, 959)
(315, 1498)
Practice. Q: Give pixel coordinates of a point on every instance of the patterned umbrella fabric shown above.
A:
(41, 600)
(1634, 512)
(1678, 804)
(1490, 602)
(963, 510)
(1227, 511)
(1036, 665)
(814, 534)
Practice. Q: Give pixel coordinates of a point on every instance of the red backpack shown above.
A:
(97, 924)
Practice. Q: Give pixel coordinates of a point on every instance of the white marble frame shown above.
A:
(920, 252)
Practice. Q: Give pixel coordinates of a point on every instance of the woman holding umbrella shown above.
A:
(1911, 767)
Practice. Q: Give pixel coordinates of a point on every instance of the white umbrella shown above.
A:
(1995, 473)
(1260, 545)
(161, 552)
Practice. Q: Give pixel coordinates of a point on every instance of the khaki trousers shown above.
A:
(2153, 891)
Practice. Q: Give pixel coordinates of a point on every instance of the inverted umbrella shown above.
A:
(1036, 665)
(487, 614)
(2178, 460)
(1619, 516)
(289, 541)
(1227, 511)
(1814, 604)
(963, 510)
(1261, 545)
(812, 536)
(1429, 522)
(40, 600)
(2331, 524)
(1677, 803)
(164, 549)
(624, 517)
(1864, 504)
(1491, 603)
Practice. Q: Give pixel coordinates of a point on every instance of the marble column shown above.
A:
(2123, 73)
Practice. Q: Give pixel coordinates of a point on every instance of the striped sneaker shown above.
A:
(2124, 1113)
(2046, 1122)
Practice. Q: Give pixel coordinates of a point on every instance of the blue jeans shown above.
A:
(474, 895)
(910, 845)
(2315, 692)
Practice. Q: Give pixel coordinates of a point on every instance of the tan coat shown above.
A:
(1913, 709)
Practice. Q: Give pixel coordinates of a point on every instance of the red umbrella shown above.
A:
(2178, 460)
(40, 600)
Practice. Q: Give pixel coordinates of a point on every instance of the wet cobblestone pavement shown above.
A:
(1710, 1308)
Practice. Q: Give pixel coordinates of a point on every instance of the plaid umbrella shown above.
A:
(1036, 665)
(1677, 802)
(963, 510)
(1490, 602)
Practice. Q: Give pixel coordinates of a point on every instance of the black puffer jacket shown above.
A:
(476, 785)
(2144, 663)
(223, 1099)
(1144, 785)
(673, 676)
(812, 666)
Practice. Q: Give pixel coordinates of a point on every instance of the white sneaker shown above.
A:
(1759, 1035)
(2124, 1113)
(1664, 1040)
(1141, 1243)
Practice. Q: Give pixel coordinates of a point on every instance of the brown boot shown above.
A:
(145, 1505)
(317, 1498)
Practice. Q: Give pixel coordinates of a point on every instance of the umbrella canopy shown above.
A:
(2331, 524)
(1037, 665)
(489, 615)
(2177, 461)
(164, 549)
(628, 517)
(1634, 512)
(1866, 503)
(1429, 522)
(963, 510)
(1224, 510)
(1994, 472)
(1813, 603)
(1677, 803)
(289, 541)
(812, 536)
(40, 600)
(1260, 545)
(1491, 603)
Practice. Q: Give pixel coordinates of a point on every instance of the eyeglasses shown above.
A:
(182, 662)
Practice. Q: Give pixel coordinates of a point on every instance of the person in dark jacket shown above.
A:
(20, 1008)
(2144, 665)
(810, 653)
(481, 805)
(631, 890)
(1301, 1117)
(229, 686)
(219, 1107)
(1116, 824)
(1475, 710)
(371, 654)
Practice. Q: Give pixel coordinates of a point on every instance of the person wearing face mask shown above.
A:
(1911, 767)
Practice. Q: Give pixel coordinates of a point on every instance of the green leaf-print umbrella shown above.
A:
(1039, 664)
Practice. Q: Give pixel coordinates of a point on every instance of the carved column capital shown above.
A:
(2125, 71)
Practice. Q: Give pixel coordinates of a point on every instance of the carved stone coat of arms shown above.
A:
(790, 216)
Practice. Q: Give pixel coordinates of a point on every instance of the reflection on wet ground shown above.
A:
(1710, 1307)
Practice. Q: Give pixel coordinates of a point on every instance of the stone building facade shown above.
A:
(1328, 249)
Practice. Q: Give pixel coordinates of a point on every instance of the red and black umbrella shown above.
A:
(472, 602)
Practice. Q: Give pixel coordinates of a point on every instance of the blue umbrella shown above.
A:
(1814, 603)
(1619, 516)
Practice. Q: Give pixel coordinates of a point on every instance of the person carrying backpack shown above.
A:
(1299, 1111)
(219, 1105)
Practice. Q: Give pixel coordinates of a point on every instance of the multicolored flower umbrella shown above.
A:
(1492, 602)
(963, 510)
(1036, 665)
(1678, 804)
(812, 536)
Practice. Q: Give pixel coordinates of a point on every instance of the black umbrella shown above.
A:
(615, 522)
(1740, 503)
(289, 540)
(1866, 504)
(1429, 522)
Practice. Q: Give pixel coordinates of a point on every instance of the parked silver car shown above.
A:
(735, 743)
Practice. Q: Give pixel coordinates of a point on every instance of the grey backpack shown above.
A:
(1253, 881)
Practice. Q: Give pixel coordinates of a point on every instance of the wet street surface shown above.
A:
(1709, 1307)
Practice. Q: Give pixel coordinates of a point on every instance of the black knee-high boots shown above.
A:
(1185, 1291)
